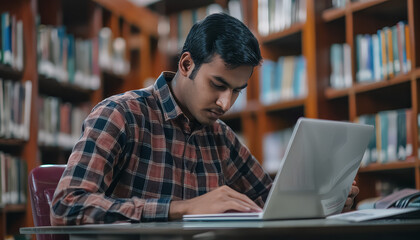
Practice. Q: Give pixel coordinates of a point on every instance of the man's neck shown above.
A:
(175, 87)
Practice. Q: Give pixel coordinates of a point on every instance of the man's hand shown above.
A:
(219, 200)
(350, 199)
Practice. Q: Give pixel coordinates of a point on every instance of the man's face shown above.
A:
(213, 90)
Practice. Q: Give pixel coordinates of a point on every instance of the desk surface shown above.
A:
(294, 229)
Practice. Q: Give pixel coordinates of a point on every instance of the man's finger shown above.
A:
(243, 198)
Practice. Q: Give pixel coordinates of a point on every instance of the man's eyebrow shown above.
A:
(222, 80)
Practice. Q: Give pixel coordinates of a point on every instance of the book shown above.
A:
(399, 204)
(371, 214)
(336, 63)
(408, 47)
(6, 31)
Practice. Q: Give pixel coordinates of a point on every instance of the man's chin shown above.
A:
(207, 121)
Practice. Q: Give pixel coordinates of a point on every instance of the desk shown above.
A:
(290, 229)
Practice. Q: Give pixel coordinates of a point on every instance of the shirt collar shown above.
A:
(171, 110)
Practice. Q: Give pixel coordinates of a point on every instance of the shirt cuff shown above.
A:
(156, 210)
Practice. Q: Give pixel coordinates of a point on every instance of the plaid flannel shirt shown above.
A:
(138, 151)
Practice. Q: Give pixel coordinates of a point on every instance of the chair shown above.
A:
(43, 181)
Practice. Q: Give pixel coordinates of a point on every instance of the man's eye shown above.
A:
(237, 90)
(218, 86)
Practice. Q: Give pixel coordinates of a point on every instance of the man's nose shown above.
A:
(224, 100)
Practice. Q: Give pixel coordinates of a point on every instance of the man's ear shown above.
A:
(185, 64)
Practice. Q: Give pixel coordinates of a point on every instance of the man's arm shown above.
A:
(99, 156)
(220, 200)
(243, 172)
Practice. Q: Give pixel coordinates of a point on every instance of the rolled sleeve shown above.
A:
(156, 210)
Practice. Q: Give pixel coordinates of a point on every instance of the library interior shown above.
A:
(344, 60)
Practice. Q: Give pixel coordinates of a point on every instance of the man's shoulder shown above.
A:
(140, 96)
(136, 101)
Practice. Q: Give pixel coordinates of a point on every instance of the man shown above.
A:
(157, 153)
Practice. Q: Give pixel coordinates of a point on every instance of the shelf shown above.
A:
(365, 87)
(416, 73)
(112, 77)
(376, 167)
(7, 72)
(43, 147)
(288, 35)
(332, 14)
(66, 91)
(10, 208)
(284, 105)
(12, 142)
(168, 7)
(131, 13)
(388, 11)
(358, 6)
(332, 93)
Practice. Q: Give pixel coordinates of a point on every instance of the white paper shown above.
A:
(369, 214)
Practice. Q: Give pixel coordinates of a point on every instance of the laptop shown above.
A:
(315, 175)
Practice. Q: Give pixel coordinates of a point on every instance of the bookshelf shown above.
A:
(325, 25)
(372, 97)
(71, 87)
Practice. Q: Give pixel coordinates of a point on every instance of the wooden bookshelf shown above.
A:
(332, 14)
(398, 92)
(83, 19)
(8, 72)
(313, 38)
(13, 208)
(376, 167)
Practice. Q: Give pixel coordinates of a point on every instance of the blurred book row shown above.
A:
(112, 53)
(181, 23)
(15, 109)
(274, 148)
(379, 57)
(79, 61)
(240, 103)
(13, 179)
(383, 55)
(393, 139)
(283, 80)
(11, 41)
(278, 15)
(60, 123)
(341, 66)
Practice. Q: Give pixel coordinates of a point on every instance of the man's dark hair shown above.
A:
(223, 35)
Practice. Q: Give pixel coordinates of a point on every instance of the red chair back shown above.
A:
(43, 181)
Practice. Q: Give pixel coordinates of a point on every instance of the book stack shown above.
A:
(341, 67)
(275, 145)
(240, 102)
(383, 55)
(66, 59)
(15, 109)
(60, 122)
(283, 80)
(393, 140)
(112, 53)
(278, 15)
(11, 41)
(13, 179)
